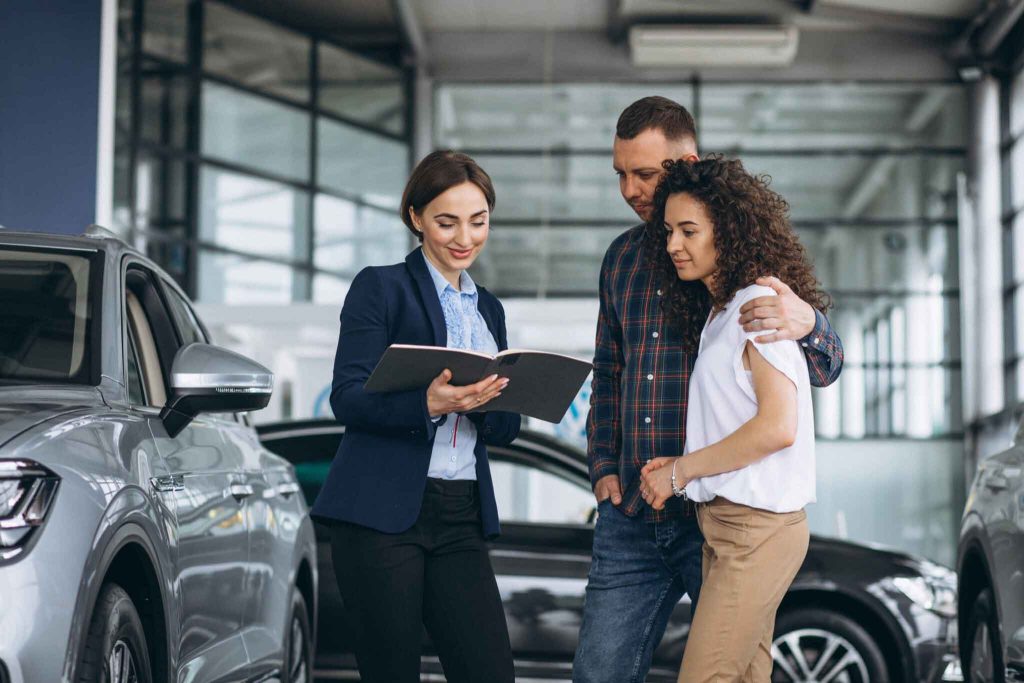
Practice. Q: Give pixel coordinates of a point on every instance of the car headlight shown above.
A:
(934, 589)
(26, 491)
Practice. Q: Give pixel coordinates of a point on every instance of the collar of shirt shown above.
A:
(441, 284)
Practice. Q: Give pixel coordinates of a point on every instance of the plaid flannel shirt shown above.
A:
(642, 375)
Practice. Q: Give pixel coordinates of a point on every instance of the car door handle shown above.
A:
(996, 483)
(166, 483)
(287, 490)
(241, 491)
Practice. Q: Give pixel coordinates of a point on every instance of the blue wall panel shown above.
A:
(49, 95)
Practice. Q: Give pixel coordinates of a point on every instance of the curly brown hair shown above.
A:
(752, 235)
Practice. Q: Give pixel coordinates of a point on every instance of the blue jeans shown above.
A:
(639, 572)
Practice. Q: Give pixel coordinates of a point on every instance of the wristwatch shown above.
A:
(676, 491)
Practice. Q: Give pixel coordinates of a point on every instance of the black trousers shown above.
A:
(436, 574)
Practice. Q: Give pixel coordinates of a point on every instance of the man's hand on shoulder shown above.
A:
(782, 317)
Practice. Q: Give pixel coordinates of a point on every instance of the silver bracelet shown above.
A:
(676, 491)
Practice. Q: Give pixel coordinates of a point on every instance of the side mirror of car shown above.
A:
(210, 379)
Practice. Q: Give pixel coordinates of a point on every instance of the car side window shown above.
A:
(155, 338)
(141, 340)
(188, 325)
(136, 396)
(526, 493)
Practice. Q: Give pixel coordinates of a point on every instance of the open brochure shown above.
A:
(541, 384)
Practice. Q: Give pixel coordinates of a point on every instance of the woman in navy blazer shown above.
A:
(409, 497)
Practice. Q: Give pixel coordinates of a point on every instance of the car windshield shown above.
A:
(46, 324)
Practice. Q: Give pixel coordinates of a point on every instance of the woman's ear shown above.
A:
(415, 220)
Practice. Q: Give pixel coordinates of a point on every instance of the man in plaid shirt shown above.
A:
(644, 560)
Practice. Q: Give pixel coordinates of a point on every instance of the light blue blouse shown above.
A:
(455, 440)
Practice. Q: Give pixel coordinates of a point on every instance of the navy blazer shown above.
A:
(379, 473)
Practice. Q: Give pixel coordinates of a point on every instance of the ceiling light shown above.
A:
(717, 45)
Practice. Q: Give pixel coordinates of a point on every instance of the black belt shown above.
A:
(451, 487)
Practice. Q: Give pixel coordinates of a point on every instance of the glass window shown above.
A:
(529, 494)
(231, 279)
(184, 319)
(863, 400)
(251, 215)
(361, 90)
(164, 31)
(1017, 241)
(330, 289)
(164, 93)
(1016, 171)
(350, 237)
(252, 131)
(851, 186)
(45, 329)
(744, 117)
(932, 338)
(255, 53)
(523, 260)
(1017, 105)
(160, 212)
(541, 186)
(136, 396)
(537, 116)
(1018, 317)
(843, 188)
(898, 258)
(362, 165)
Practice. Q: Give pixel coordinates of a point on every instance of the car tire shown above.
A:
(298, 642)
(115, 646)
(980, 651)
(802, 635)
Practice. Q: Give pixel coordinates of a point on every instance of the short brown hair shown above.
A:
(660, 113)
(436, 173)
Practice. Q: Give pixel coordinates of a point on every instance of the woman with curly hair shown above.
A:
(748, 460)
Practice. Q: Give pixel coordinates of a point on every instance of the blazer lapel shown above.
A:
(428, 294)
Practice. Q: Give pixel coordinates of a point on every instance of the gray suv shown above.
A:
(990, 567)
(145, 534)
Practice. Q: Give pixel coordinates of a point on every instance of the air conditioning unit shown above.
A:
(714, 45)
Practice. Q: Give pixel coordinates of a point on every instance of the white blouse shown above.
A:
(722, 399)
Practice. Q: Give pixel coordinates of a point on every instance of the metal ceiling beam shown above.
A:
(617, 25)
(412, 31)
(877, 175)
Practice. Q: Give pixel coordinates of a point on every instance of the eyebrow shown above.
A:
(644, 169)
(455, 218)
(682, 223)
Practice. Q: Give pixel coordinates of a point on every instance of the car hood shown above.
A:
(22, 408)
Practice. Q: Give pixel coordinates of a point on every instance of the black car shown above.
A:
(853, 615)
(990, 567)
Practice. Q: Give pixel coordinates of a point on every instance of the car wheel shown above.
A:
(299, 644)
(982, 655)
(819, 645)
(115, 645)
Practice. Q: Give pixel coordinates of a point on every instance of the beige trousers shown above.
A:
(750, 559)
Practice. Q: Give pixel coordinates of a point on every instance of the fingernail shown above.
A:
(493, 377)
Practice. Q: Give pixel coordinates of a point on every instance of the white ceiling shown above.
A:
(949, 9)
(497, 15)
(491, 15)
